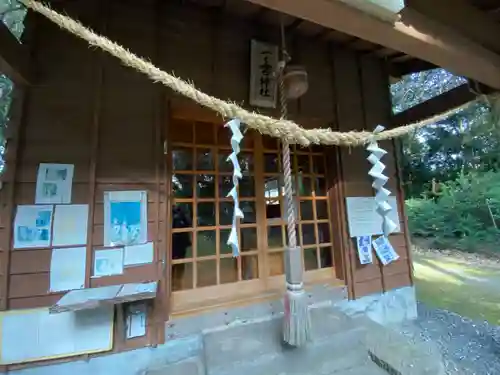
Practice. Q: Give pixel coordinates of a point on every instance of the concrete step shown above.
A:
(257, 348)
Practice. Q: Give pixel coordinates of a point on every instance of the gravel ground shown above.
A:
(467, 347)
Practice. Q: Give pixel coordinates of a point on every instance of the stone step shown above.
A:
(190, 366)
(257, 348)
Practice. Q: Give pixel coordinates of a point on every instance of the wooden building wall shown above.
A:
(87, 109)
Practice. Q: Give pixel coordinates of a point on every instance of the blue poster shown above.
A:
(126, 218)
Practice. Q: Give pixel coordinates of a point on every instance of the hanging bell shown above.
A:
(296, 83)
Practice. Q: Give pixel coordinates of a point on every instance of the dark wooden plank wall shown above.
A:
(87, 109)
(363, 101)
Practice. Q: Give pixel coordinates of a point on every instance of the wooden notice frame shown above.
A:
(91, 298)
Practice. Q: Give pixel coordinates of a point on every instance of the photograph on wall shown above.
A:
(125, 218)
(108, 262)
(32, 226)
(53, 183)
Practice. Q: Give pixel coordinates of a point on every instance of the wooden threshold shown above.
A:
(192, 302)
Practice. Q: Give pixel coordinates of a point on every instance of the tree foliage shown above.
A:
(467, 141)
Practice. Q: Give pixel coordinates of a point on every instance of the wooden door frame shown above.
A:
(243, 291)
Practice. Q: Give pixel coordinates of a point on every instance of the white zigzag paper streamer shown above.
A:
(236, 137)
(379, 180)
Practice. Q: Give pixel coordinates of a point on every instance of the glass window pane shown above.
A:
(182, 159)
(275, 237)
(247, 187)
(326, 257)
(224, 164)
(206, 273)
(303, 164)
(182, 276)
(320, 187)
(322, 209)
(206, 214)
(205, 186)
(205, 243)
(228, 270)
(248, 239)
(204, 159)
(225, 185)
(324, 233)
(270, 143)
(276, 265)
(318, 164)
(246, 162)
(248, 208)
(183, 132)
(182, 185)
(308, 235)
(204, 133)
(271, 163)
(224, 248)
(310, 259)
(304, 186)
(181, 245)
(226, 213)
(223, 136)
(249, 267)
(306, 210)
(182, 215)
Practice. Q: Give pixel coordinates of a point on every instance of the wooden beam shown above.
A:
(408, 67)
(464, 18)
(415, 34)
(439, 104)
(14, 57)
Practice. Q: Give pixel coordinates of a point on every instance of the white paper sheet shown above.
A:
(108, 262)
(54, 183)
(384, 250)
(67, 269)
(363, 219)
(364, 244)
(30, 335)
(32, 226)
(138, 254)
(136, 320)
(70, 225)
(125, 217)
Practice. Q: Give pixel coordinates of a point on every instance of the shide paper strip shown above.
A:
(379, 180)
(236, 137)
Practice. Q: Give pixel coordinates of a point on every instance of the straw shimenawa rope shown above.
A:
(282, 128)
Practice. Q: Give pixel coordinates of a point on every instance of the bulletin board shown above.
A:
(34, 335)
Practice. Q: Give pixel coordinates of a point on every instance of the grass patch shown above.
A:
(468, 290)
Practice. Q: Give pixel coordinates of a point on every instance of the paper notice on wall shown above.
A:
(384, 250)
(125, 218)
(364, 244)
(363, 218)
(32, 226)
(108, 262)
(136, 320)
(67, 269)
(35, 334)
(138, 254)
(54, 182)
(70, 225)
